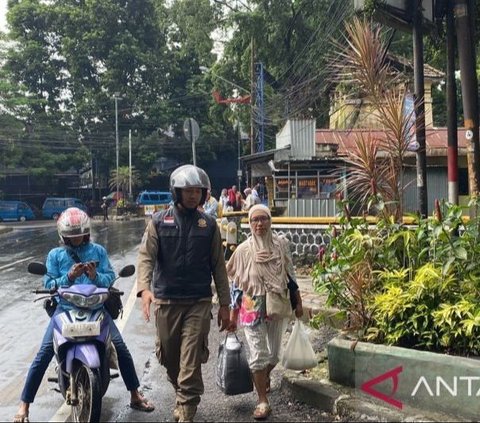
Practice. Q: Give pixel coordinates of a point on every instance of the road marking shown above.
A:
(128, 307)
(63, 413)
(14, 263)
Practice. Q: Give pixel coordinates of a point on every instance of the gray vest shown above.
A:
(183, 269)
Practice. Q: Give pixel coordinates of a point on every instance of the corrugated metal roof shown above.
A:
(436, 139)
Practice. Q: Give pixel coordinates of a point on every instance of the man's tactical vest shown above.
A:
(184, 251)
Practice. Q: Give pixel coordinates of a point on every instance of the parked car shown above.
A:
(15, 210)
(151, 201)
(54, 206)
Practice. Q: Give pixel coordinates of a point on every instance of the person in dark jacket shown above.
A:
(180, 251)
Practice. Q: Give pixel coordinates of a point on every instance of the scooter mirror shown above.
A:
(37, 268)
(127, 271)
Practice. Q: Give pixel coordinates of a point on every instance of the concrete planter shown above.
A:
(400, 376)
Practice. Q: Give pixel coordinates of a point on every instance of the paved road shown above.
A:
(22, 325)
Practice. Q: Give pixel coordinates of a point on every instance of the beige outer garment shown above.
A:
(147, 259)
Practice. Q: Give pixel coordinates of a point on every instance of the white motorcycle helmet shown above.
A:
(73, 222)
(189, 176)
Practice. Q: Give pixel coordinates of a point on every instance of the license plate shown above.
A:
(72, 330)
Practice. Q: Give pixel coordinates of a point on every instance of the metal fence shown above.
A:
(305, 239)
(299, 207)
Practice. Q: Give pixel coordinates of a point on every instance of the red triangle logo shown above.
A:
(391, 374)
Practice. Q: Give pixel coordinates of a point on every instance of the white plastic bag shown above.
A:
(299, 354)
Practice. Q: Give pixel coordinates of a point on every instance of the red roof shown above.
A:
(436, 139)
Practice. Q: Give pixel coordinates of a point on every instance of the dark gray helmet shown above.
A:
(189, 176)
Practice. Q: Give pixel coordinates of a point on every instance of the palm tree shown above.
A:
(124, 179)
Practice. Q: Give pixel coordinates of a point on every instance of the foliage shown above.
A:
(375, 166)
(124, 179)
(65, 61)
(414, 287)
(291, 39)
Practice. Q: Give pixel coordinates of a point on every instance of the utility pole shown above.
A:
(252, 90)
(239, 169)
(130, 165)
(452, 152)
(117, 144)
(462, 11)
(93, 174)
(419, 86)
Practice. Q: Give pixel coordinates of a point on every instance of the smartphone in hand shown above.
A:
(95, 263)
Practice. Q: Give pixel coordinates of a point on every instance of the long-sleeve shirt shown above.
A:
(59, 262)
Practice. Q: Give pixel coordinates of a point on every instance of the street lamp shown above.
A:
(116, 96)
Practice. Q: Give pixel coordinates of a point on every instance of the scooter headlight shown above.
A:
(82, 301)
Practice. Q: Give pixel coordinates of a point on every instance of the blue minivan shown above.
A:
(152, 201)
(15, 210)
(54, 206)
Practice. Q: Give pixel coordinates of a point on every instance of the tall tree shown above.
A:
(291, 39)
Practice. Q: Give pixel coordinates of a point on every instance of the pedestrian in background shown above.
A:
(261, 264)
(180, 251)
(255, 194)
(235, 198)
(105, 208)
(223, 200)
(211, 205)
(249, 201)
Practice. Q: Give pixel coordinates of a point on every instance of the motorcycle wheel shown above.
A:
(89, 393)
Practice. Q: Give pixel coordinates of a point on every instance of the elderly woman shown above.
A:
(259, 265)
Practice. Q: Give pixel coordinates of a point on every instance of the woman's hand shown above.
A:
(299, 307)
(299, 311)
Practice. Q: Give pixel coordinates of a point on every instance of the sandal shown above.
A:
(267, 390)
(21, 418)
(142, 405)
(262, 411)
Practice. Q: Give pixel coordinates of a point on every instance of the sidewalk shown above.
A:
(314, 388)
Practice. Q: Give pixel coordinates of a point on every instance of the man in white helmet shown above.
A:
(180, 252)
(75, 263)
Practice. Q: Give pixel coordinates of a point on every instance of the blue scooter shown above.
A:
(82, 345)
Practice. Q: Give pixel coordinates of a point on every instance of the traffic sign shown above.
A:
(191, 129)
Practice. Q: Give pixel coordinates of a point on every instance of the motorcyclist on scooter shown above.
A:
(74, 230)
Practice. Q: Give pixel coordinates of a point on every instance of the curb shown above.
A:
(348, 404)
(4, 230)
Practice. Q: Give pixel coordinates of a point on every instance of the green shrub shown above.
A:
(412, 286)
